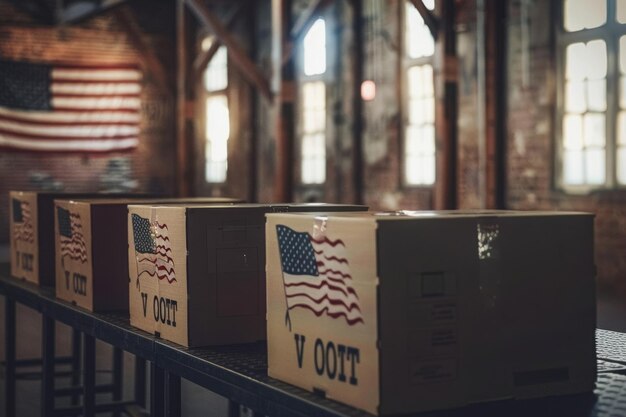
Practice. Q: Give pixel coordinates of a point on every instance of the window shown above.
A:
(592, 90)
(419, 134)
(217, 120)
(313, 104)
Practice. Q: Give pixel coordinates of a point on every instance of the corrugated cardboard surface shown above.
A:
(24, 237)
(158, 298)
(39, 262)
(74, 273)
(473, 307)
(336, 353)
(477, 309)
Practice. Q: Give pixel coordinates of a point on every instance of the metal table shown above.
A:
(239, 372)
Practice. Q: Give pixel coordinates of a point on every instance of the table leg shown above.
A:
(172, 395)
(118, 374)
(89, 376)
(76, 355)
(47, 366)
(9, 344)
(140, 381)
(234, 409)
(157, 385)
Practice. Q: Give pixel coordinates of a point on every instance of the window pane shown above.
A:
(216, 73)
(594, 129)
(419, 41)
(217, 134)
(573, 132)
(621, 128)
(575, 61)
(314, 159)
(573, 167)
(315, 49)
(595, 166)
(622, 54)
(595, 59)
(596, 94)
(583, 14)
(621, 11)
(622, 92)
(575, 97)
(621, 165)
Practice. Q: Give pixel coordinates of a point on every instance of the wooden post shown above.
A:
(357, 130)
(284, 92)
(495, 97)
(182, 160)
(446, 186)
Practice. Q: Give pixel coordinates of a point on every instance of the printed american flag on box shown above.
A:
(69, 108)
(316, 276)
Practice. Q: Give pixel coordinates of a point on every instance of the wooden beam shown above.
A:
(204, 57)
(183, 185)
(446, 186)
(283, 82)
(83, 10)
(150, 61)
(429, 18)
(495, 97)
(358, 58)
(238, 55)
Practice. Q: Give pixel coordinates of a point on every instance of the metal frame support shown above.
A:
(10, 364)
(157, 390)
(140, 381)
(89, 376)
(172, 395)
(47, 366)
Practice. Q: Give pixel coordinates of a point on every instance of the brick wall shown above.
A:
(97, 40)
(531, 143)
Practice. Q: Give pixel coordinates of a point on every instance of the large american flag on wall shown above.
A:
(66, 108)
(316, 276)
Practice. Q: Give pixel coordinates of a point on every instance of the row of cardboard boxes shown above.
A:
(389, 312)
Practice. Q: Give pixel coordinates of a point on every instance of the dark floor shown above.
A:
(195, 400)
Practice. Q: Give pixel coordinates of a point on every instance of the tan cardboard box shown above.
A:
(91, 249)
(198, 273)
(415, 311)
(31, 232)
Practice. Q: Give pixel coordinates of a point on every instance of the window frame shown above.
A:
(406, 63)
(205, 95)
(610, 33)
(300, 80)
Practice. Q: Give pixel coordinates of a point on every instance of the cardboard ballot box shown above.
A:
(414, 311)
(32, 232)
(197, 274)
(92, 246)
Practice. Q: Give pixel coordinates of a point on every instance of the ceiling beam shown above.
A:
(248, 68)
(150, 61)
(204, 57)
(429, 18)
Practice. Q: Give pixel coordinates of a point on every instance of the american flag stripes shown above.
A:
(71, 233)
(153, 250)
(316, 275)
(63, 108)
(22, 221)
